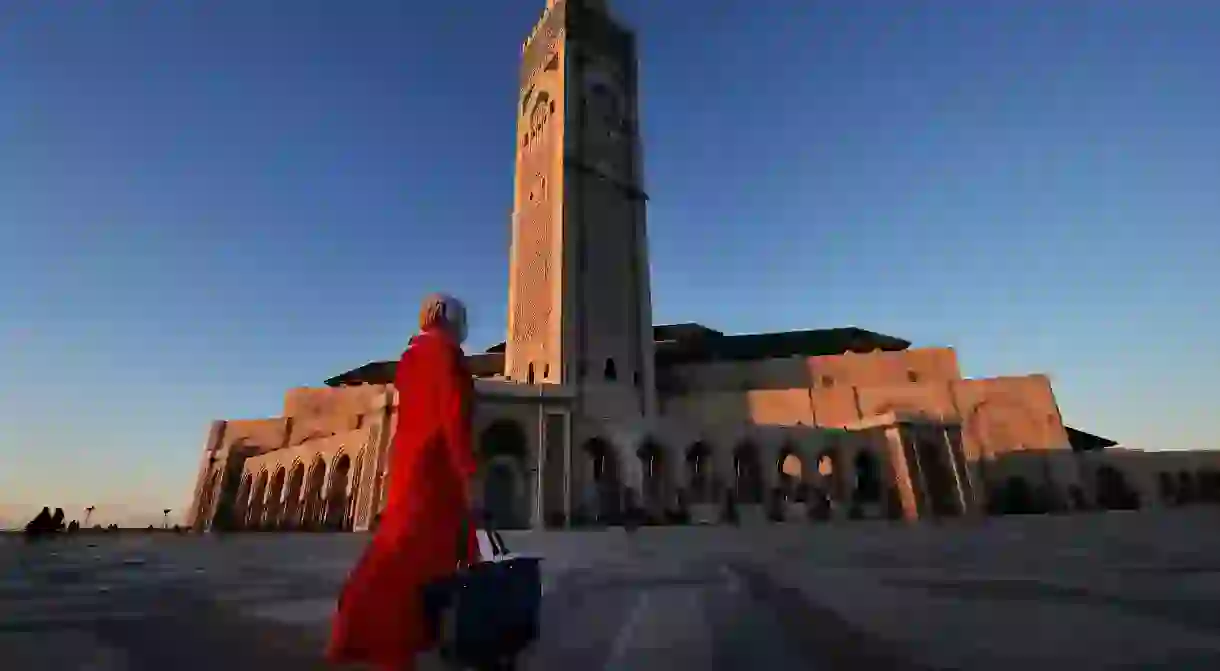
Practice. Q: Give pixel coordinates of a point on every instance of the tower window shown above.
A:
(546, 372)
(912, 376)
(611, 373)
(552, 107)
(529, 374)
(828, 381)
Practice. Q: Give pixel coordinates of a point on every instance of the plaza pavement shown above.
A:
(1105, 591)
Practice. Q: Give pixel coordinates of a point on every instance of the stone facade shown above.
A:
(587, 411)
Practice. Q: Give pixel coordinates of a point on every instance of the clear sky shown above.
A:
(205, 203)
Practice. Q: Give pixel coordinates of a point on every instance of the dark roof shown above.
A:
(659, 334)
(1085, 442)
(382, 372)
(693, 343)
(683, 343)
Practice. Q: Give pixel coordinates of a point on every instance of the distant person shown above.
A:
(380, 618)
(41, 525)
(57, 520)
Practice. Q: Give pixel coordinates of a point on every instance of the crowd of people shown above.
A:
(47, 523)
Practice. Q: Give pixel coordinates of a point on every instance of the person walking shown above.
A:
(380, 618)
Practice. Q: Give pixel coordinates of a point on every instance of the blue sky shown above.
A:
(205, 203)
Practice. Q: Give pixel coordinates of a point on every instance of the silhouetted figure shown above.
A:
(73, 527)
(57, 520)
(42, 524)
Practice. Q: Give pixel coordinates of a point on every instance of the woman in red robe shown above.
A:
(380, 619)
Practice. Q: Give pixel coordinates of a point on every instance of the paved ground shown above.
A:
(1116, 591)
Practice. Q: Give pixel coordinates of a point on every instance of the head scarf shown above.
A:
(445, 312)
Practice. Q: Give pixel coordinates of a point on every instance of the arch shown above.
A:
(529, 373)
(791, 471)
(652, 469)
(275, 501)
(254, 519)
(747, 480)
(349, 521)
(699, 468)
(206, 511)
(502, 482)
(1207, 486)
(1014, 497)
(1186, 488)
(607, 481)
(242, 504)
(315, 481)
(868, 478)
(291, 518)
(829, 477)
(933, 474)
(503, 437)
(336, 495)
(503, 454)
(1113, 491)
(1167, 487)
(610, 371)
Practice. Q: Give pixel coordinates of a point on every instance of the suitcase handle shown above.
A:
(498, 549)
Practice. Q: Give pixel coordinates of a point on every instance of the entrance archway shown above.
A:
(828, 475)
(500, 493)
(868, 478)
(242, 504)
(349, 518)
(311, 518)
(336, 498)
(791, 471)
(606, 480)
(747, 474)
(1186, 488)
(1113, 492)
(1168, 488)
(255, 518)
(292, 499)
(936, 471)
(503, 454)
(652, 466)
(206, 512)
(1208, 486)
(699, 470)
(275, 500)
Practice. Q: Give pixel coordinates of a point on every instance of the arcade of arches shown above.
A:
(299, 497)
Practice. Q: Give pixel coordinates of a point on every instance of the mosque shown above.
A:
(588, 410)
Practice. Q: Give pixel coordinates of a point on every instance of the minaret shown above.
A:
(580, 311)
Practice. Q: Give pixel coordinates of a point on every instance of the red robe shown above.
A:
(380, 616)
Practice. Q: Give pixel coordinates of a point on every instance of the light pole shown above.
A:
(165, 523)
(88, 514)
